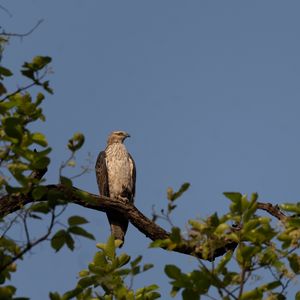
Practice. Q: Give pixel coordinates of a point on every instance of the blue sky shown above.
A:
(208, 90)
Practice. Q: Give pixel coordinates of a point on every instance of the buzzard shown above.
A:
(116, 174)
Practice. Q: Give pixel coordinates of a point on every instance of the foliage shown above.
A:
(264, 265)
(105, 277)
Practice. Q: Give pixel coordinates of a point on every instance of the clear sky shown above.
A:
(208, 90)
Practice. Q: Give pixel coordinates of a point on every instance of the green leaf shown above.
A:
(233, 196)
(123, 259)
(66, 181)
(2, 89)
(13, 128)
(6, 292)
(71, 294)
(47, 87)
(38, 192)
(255, 294)
(110, 249)
(294, 261)
(136, 261)
(160, 243)
(271, 285)
(28, 73)
(294, 222)
(54, 296)
(39, 98)
(40, 163)
(80, 231)
(222, 228)
(76, 142)
(69, 241)
(173, 196)
(5, 72)
(173, 271)
(224, 261)
(77, 220)
(291, 207)
(39, 62)
(147, 267)
(84, 273)
(297, 296)
(188, 294)
(175, 235)
(58, 240)
(40, 207)
(39, 139)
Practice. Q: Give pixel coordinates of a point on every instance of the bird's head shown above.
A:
(117, 137)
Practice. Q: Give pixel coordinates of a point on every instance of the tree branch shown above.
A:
(21, 35)
(10, 204)
(30, 245)
(273, 210)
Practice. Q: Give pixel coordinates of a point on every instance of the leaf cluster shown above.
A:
(105, 277)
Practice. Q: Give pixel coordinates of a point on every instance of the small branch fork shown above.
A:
(21, 35)
(10, 204)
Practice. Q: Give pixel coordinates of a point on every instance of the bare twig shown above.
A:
(84, 170)
(21, 35)
(217, 279)
(11, 223)
(6, 10)
(30, 245)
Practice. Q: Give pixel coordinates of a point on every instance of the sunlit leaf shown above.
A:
(39, 139)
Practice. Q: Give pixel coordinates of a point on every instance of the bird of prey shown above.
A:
(116, 174)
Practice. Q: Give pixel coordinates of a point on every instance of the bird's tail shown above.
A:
(118, 226)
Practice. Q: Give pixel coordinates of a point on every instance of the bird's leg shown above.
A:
(122, 198)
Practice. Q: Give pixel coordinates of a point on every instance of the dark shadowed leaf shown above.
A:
(173, 271)
(54, 296)
(77, 220)
(58, 240)
(190, 295)
(69, 241)
(13, 127)
(175, 235)
(39, 192)
(294, 261)
(40, 207)
(66, 181)
(80, 231)
(5, 72)
(2, 89)
(40, 163)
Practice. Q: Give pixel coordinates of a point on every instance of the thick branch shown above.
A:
(272, 210)
(10, 204)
